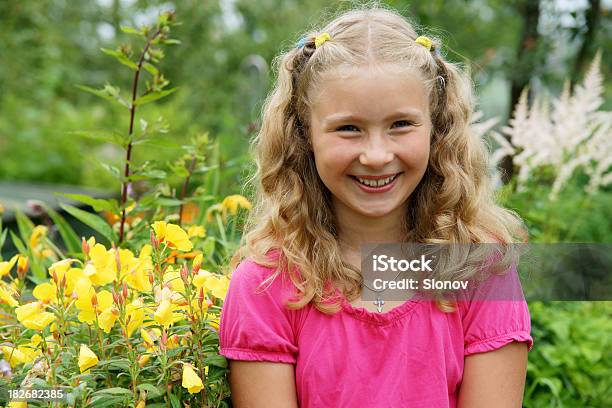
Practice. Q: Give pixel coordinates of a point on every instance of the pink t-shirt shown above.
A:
(412, 355)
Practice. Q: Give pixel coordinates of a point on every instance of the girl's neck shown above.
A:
(356, 230)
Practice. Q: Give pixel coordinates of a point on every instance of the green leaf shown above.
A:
(171, 41)
(216, 360)
(132, 31)
(18, 243)
(112, 169)
(114, 391)
(24, 225)
(92, 220)
(168, 202)
(121, 57)
(70, 238)
(176, 403)
(151, 68)
(106, 93)
(107, 136)
(209, 246)
(151, 390)
(153, 96)
(98, 204)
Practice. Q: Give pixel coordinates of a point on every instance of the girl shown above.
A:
(365, 139)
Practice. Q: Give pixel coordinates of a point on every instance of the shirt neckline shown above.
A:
(384, 318)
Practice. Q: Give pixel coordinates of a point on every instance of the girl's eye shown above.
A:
(402, 123)
(348, 128)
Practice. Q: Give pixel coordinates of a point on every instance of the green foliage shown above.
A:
(569, 365)
(574, 217)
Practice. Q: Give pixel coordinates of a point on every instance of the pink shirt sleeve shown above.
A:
(255, 325)
(498, 316)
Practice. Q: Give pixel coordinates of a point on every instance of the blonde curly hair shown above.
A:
(292, 215)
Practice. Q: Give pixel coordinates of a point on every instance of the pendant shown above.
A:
(379, 304)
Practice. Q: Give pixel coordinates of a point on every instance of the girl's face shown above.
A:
(370, 134)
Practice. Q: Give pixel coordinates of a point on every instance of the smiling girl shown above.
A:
(365, 139)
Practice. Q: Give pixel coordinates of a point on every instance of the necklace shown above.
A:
(379, 302)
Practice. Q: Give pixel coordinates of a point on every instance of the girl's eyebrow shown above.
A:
(347, 116)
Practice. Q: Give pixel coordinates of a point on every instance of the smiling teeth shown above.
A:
(376, 183)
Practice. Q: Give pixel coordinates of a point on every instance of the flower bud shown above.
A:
(143, 359)
(85, 247)
(22, 266)
(124, 291)
(201, 297)
(118, 260)
(94, 301)
(151, 278)
(184, 273)
(54, 276)
(164, 338)
(63, 282)
(116, 298)
(153, 238)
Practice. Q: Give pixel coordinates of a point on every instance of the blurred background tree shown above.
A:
(222, 67)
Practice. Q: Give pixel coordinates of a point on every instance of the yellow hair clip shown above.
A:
(321, 38)
(424, 41)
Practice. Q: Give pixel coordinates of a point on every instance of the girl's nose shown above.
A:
(376, 153)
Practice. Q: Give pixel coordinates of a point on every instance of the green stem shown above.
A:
(221, 227)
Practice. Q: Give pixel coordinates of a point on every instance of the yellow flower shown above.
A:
(60, 268)
(141, 403)
(173, 235)
(201, 277)
(45, 292)
(234, 202)
(32, 316)
(191, 380)
(107, 319)
(163, 314)
(196, 231)
(17, 404)
(101, 268)
(173, 278)
(38, 234)
(6, 295)
(213, 320)
(6, 266)
(143, 360)
(218, 286)
(87, 358)
(85, 293)
(137, 276)
(135, 312)
(14, 356)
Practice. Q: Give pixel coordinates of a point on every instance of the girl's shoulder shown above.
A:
(253, 278)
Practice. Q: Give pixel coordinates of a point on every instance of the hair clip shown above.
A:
(424, 41)
(301, 43)
(321, 38)
(429, 44)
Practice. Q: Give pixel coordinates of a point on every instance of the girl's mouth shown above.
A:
(376, 185)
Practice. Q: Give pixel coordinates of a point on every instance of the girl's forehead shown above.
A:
(355, 87)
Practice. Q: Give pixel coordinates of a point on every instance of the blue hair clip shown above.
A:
(301, 43)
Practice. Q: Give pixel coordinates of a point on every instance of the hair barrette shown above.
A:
(301, 43)
(428, 43)
(321, 38)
